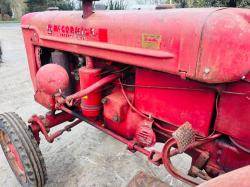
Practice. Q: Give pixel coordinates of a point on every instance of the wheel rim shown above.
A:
(13, 157)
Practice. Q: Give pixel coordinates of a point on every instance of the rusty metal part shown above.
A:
(197, 143)
(184, 136)
(167, 154)
(196, 172)
(198, 163)
(38, 124)
(170, 168)
(142, 179)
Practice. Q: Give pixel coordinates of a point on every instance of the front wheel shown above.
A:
(22, 151)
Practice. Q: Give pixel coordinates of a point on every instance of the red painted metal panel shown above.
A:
(30, 56)
(180, 102)
(119, 117)
(90, 104)
(233, 112)
(182, 40)
(45, 100)
(224, 49)
(231, 157)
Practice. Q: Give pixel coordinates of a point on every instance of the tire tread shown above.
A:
(27, 148)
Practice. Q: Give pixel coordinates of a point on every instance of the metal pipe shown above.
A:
(170, 168)
(52, 120)
(50, 138)
(167, 153)
(130, 144)
(69, 100)
(89, 62)
(87, 6)
(66, 128)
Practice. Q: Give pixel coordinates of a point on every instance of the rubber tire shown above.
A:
(23, 140)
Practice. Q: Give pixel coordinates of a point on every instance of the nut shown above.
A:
(104, 100)
(116, 119)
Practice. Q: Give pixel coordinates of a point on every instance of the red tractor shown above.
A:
(180, 77)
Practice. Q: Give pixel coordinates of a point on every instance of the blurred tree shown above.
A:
(182, 3)
(117, 4)
(36, 5)
(5, 8)
(244, 3)
(211, 3)
(18, 8)
(12, 8)
(232, 3)
(41, 5)
(61, 4)
(154, 2)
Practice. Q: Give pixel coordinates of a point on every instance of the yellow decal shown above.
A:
(85, 97)
(151, 41)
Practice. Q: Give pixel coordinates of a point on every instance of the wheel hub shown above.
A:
(13, 156)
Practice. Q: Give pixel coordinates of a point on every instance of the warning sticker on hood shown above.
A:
(151, 41)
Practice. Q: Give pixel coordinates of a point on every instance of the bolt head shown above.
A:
(116, 119)
(207, 70)
(104, 100)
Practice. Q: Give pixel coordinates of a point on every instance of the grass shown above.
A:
(10, 21)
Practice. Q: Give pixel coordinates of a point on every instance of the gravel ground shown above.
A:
(83, 157)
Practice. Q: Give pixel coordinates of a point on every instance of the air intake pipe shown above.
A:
(87, 6)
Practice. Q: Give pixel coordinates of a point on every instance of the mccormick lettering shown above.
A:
(77, 32)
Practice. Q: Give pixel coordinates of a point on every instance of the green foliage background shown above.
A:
(41, 5)
(117, 4)
(200, 3)
(16, 8)
(121, 4)
(213, 3)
